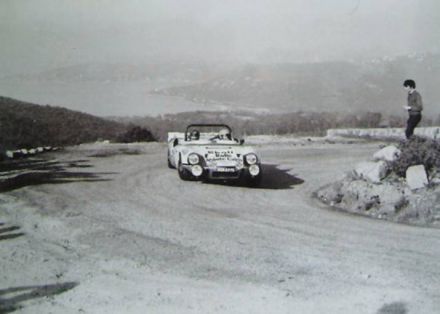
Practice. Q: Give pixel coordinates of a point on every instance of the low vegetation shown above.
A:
(136, 134)
(26, 125)
(249, 123)
(394, 197)
(417, 151)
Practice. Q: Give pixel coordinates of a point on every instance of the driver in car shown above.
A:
(195, 135)
(225, 135)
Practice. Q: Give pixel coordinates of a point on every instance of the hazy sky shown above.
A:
(37, 35)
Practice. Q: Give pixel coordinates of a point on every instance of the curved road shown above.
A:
(133, 238)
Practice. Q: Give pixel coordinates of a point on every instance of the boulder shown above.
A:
(416, 177)
(388, 153)
(331, 194)
(372, 171)
(360, 195)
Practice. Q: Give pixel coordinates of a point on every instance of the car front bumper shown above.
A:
(224, 173)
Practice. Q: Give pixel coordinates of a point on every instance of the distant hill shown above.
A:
(374, 85)
(161, 74)
(25, 125)
(133, 89)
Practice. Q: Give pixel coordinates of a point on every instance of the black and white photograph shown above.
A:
(220, 156)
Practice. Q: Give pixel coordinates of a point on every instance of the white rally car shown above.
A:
(209, 152)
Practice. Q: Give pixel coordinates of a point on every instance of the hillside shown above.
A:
(28, 125)
(150, 89)
(164, 74)
(374, 85)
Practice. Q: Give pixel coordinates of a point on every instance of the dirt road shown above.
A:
(120, 233)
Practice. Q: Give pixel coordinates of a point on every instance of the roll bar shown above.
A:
(205, 126)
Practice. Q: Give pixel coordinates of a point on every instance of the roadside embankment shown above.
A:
(383, 133)
(400, 184)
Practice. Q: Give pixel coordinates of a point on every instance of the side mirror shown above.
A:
(241, 141)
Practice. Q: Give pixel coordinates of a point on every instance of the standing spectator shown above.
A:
(414, 107)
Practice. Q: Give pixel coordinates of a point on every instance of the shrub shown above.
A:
(417, 151)
(25, 125)
(136, 134)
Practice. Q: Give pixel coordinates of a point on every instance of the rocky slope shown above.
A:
(389, 188)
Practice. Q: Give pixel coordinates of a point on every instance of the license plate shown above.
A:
(226, 169)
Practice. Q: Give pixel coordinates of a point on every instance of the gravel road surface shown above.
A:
(116, 231)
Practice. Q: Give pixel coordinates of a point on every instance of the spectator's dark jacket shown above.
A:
(415, 102)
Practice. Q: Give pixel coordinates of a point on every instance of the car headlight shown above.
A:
(193, 159)
(196, 170)
(251, 159)
(254, 170)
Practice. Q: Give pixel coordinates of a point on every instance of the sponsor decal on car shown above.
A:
(220, 154)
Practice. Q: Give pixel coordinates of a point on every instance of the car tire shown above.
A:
(254, 181)
(184, 174)
(169, 163)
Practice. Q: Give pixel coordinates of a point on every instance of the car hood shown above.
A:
(218, 150)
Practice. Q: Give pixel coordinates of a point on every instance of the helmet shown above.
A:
(195, 135)
(224, 134)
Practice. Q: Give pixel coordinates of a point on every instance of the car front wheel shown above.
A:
(169, 163)
(254, 181)
(184, 174)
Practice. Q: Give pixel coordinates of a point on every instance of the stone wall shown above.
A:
(383, 133)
